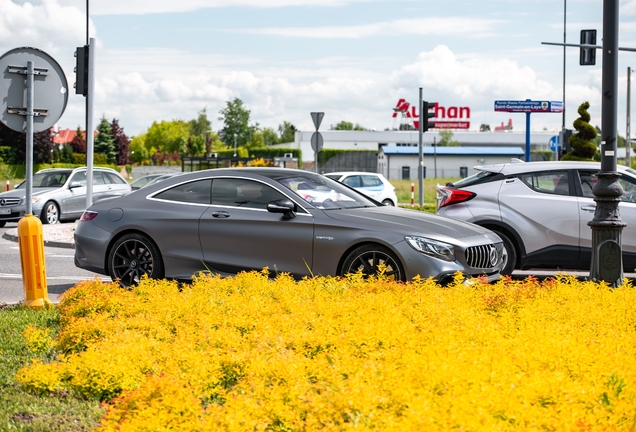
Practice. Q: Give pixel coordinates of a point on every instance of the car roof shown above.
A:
(522, 167)
(351, 173)
(77, 169)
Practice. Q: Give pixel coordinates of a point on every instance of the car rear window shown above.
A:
(478, 178)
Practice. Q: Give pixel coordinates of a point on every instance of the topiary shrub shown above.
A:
(583, 149)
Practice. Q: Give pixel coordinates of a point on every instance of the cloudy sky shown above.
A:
(352, 59)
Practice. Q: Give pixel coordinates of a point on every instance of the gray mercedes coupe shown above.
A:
(230, 220)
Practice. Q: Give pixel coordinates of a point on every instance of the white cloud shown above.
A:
(438, 26)
(46, 25)
(143, 7)
(138, 94)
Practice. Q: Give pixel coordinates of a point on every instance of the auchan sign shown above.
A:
(444, 118)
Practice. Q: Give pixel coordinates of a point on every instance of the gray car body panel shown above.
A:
(543, 225)
(226, 239)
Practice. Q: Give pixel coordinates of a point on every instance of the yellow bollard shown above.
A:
(31, 242)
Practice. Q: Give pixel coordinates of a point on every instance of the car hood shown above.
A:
(413, 222)
(21, 193)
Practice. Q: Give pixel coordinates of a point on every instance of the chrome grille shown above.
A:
(8, 202)
(482, 257)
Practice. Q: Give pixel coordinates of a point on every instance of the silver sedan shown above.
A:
(241, 219)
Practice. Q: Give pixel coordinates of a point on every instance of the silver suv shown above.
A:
(540, 210)
(60, 194)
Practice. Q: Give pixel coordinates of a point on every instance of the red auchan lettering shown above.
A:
(441, 112)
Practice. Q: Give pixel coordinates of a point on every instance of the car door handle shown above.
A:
(220, 214)
(588, 208)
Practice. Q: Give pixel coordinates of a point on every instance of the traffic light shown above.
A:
(587, 56)
(564, 139)
(426, 106)
(81, 70)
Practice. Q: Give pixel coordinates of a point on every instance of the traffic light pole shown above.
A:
(607, 226)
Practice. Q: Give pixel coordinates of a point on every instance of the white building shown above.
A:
(397, 150)
(401, 162)
(373, 140)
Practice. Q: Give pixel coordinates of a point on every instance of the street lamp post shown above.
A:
(234, 145)
(628, 139)
(607, 226)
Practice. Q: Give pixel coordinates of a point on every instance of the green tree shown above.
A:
(345, 125)
(287, 132)
(138, 151)
(200, 126)
(446, 138)
(270, 137)
(236, 120)
(104, 141)
(582, 142)
(484, 127)
(167, 137)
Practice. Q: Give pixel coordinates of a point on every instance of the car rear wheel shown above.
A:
(388, 202)
(368, 258)
(510, 255)
(133, 256)
(50, 213)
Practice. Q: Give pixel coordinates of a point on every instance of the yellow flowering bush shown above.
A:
(255, 353)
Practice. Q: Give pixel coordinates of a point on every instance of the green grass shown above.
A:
(22, 410)
(403, 190)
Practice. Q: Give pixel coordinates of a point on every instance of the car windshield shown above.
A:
(324, 193)
(47, 179)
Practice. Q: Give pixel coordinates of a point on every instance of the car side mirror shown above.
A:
(74, 185)
(284, 206)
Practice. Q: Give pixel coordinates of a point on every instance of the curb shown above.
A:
(14, 238)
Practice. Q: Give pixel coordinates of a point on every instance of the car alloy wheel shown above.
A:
(133, 256)
(368, 259)
(50, 213)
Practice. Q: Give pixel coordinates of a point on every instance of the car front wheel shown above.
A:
(510, 255)
(388, 202)
(369, 258)
(133, 256)
(50, 213)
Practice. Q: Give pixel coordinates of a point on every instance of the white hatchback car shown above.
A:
(373, 185)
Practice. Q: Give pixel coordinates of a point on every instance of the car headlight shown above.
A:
(434, 248)
(33, 200)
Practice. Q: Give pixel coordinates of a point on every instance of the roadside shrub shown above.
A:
(323, 353)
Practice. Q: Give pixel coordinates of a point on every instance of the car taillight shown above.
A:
(447, 196)
(88, 215)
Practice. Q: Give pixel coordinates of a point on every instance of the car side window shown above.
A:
(196, 192)
(551, 182)
(112, 178)
(371, 181)
(588, 180)
(79, 177)
(243, 193)
(629, 187)
(353, 181)
(98, 178)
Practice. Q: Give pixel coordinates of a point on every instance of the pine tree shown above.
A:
(104, 141)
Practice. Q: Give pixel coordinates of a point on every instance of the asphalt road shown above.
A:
(61, 273)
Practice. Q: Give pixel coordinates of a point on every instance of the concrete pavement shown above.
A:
(56, 235)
